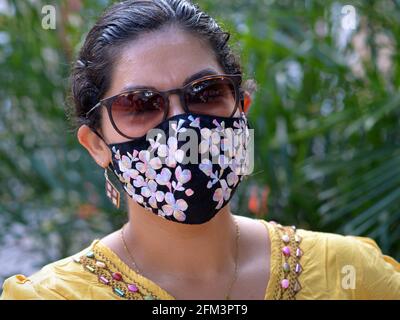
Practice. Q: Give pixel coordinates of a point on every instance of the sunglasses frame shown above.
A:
(234, 78)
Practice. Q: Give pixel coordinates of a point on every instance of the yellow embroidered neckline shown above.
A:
(149, 289)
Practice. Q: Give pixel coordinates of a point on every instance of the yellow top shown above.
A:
(304, 265)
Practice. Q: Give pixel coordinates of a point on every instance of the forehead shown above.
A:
(162, 59)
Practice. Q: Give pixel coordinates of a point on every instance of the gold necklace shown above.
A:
(127, 250)
(227, 296)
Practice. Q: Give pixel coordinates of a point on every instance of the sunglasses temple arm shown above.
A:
(96, 106)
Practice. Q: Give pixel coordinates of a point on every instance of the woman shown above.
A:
(166, 65)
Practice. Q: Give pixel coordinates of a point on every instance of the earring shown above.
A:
(111, 191)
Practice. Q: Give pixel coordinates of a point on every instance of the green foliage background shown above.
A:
(326, 120)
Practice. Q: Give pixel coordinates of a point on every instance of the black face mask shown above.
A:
(180, 179)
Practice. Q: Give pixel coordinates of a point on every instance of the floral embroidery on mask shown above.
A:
(157, 178)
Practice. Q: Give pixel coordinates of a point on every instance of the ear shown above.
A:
(95, 146)
(246, 101)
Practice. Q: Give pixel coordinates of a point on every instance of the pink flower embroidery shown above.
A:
(171, 153)
(148, 166)
(174, 207)
(125, 166)
(150, 191)
(222, 194)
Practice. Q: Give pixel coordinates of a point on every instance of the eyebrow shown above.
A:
(197, 75)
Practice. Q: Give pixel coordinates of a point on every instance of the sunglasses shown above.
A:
(133, 113)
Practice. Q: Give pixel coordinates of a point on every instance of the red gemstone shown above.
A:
(117, 276)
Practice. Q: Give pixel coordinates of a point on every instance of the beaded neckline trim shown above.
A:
(288, 284)
(107, 273)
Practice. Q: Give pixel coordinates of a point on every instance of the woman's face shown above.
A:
(162, 60)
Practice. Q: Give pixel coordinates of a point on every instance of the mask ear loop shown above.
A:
(98, 134)
(110, 165)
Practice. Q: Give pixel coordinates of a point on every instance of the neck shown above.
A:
(185, 251)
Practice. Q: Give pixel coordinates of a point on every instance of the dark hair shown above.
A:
(123, 22)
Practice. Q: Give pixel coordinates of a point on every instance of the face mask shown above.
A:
(187, 168)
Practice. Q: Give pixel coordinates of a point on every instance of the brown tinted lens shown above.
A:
(214, 96)
(136, 112)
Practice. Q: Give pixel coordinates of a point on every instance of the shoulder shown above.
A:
(62, 279)
(351, 267)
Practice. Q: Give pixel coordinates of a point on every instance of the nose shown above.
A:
(175, 106)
